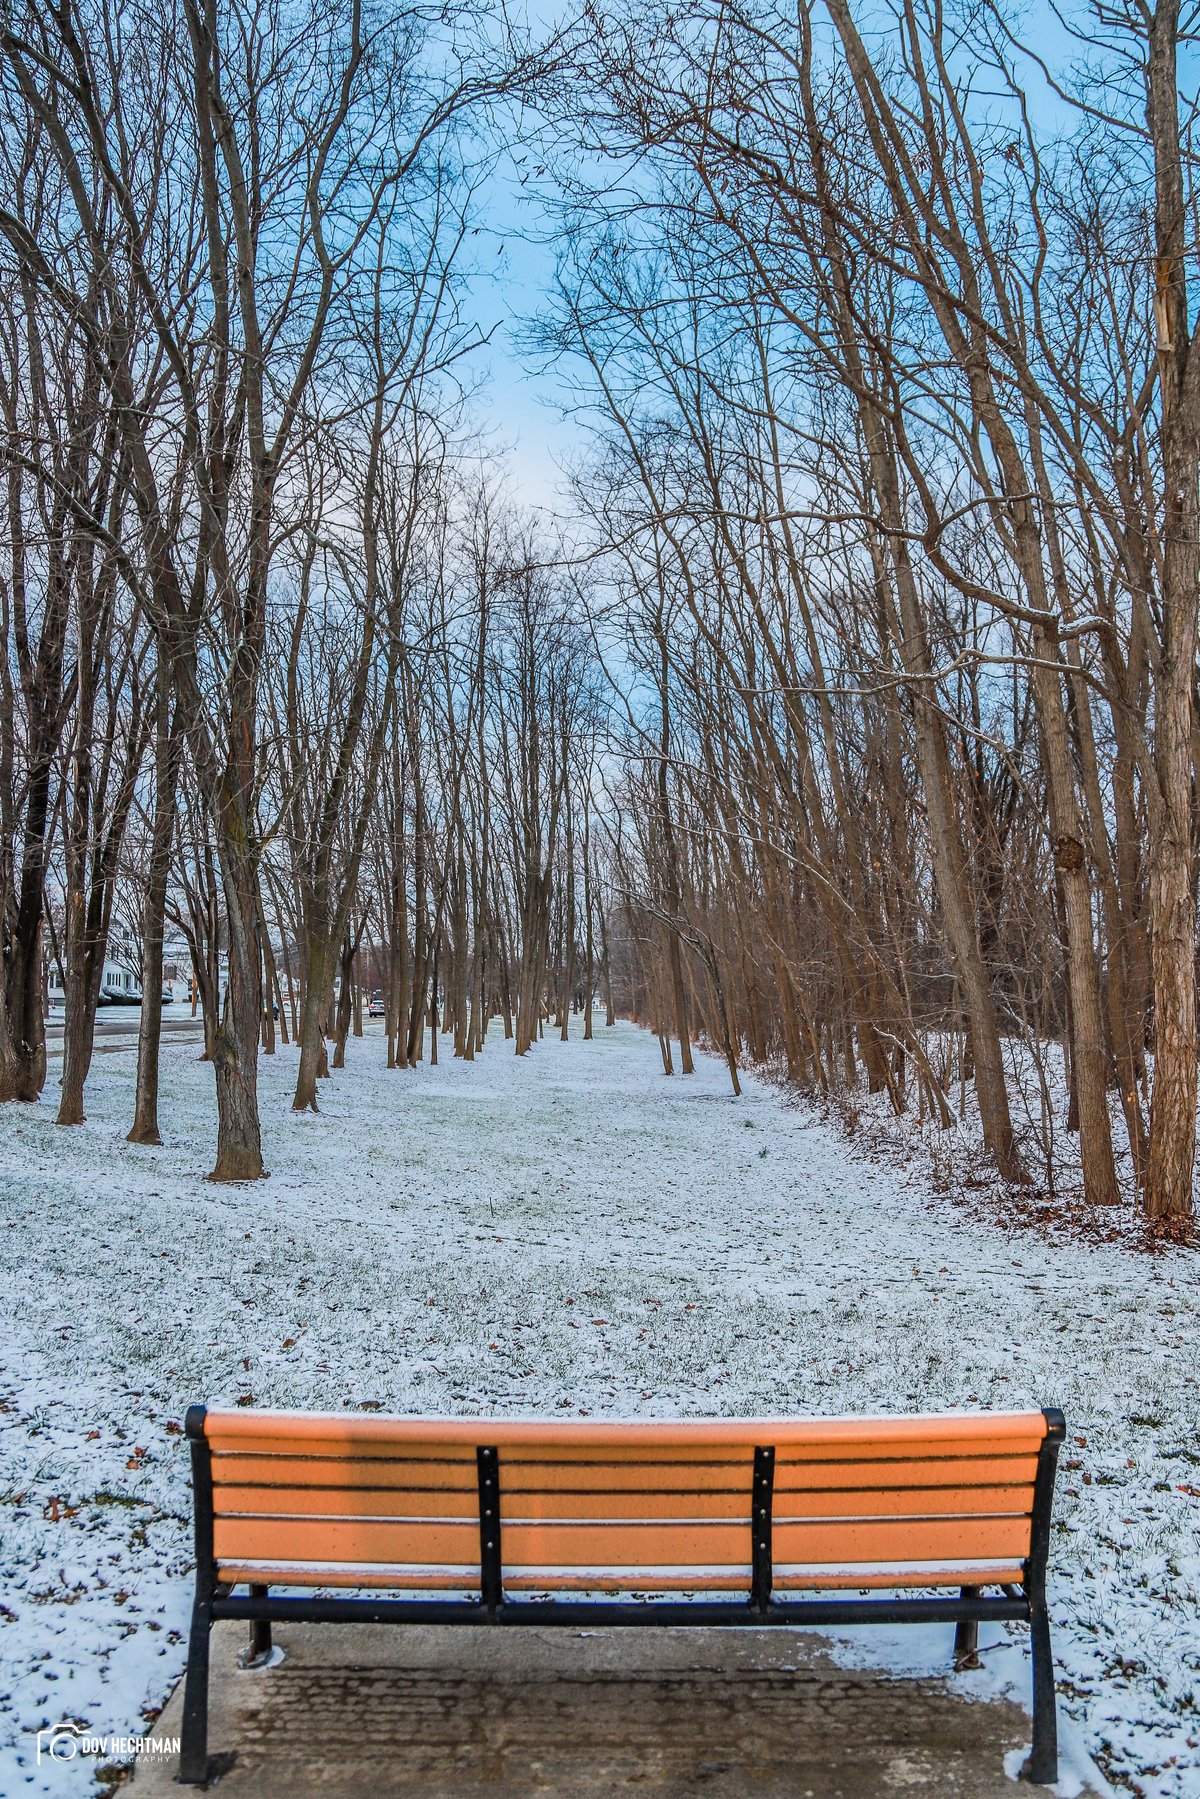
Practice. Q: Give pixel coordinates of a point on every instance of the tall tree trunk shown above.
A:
(168, 747)
(589, 945)
(235, 1050)
(312, 1023)
(345, 1000)
(77, 1016)
(1172, 907)
(610, 1010)
(23, 1028)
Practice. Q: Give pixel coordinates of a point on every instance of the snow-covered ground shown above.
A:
(570, 1231)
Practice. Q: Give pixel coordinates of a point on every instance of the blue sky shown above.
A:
(518, 407)
(514, 255)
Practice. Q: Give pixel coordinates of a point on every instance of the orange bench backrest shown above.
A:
(331, 1499)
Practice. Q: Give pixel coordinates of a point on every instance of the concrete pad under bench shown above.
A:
(356, 1712)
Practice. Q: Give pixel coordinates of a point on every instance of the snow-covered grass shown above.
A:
(572, 1231)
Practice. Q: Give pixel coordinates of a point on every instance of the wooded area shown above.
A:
(847, 722)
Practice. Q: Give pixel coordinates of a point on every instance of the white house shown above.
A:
(120, 979)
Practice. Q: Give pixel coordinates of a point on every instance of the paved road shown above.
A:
(370, 1711)
(117, 1028)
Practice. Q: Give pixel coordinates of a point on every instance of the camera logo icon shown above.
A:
(61, 1744)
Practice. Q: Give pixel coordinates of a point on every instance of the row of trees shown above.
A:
(269, 650)
(888, 338)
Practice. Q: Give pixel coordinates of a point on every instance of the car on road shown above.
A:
(375, 1006)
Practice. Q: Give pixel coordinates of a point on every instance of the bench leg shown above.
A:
(193, 1747)
(259, 1649)
(1042, 1766)
(966, 1636)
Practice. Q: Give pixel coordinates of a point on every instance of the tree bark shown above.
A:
(1172, 909)
(168, 751)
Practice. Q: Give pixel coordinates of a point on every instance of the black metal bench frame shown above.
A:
(215, 1600)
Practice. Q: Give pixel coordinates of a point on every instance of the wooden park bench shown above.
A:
(447, 1521)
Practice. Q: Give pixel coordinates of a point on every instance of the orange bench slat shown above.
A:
(343, 1471)
(346, 1540)
(392, 1576)
(546, 1436)
(400, 1577)
(897, 1540)
(610, 1545)
(601, 1507)
(336, 1502)
(930, 1471)
(645, 1475)
(981, 1571)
